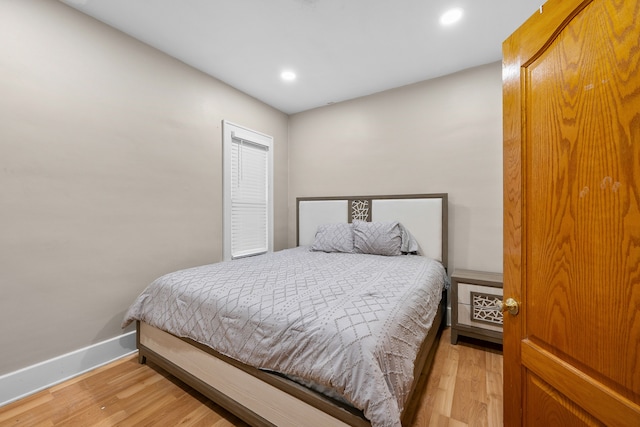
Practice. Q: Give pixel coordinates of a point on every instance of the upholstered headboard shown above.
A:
(424, 215)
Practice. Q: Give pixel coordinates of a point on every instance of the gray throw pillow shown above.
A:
(377, 238)
(334, 238)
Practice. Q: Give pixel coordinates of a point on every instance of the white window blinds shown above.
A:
(248, 207)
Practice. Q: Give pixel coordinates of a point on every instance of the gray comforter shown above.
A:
(350, 322)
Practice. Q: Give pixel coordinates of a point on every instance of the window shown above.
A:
(248, 191)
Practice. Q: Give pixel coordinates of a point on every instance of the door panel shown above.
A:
(580, 190)
(572, 215)
(550, 408)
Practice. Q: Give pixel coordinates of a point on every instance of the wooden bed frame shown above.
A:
(267, 399)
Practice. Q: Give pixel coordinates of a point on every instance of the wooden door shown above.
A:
(572, 215)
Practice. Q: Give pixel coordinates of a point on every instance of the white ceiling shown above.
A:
(339, 49)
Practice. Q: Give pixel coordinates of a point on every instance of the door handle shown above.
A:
(509, 305)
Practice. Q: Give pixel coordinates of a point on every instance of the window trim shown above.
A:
(229, 131)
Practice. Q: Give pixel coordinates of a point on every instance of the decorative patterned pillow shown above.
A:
(377, 238)
(334, 238)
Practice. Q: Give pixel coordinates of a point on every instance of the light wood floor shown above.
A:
(464, 388)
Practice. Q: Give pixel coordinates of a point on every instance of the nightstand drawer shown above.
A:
(475, 305)
(478, 306)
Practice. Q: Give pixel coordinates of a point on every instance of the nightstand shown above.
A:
(475, 311)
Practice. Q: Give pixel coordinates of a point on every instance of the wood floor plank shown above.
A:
(494, 388)
(470, 393)
(24, 407)
(463, 389)
(447, 384)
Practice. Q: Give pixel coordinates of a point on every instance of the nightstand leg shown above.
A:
(454, 337)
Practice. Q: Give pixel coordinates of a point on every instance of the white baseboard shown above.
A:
(29, 380)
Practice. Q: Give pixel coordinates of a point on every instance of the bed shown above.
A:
(314, 335)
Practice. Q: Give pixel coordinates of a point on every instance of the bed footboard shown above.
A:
(261, 398)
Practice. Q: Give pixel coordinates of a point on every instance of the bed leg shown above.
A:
(142, 359)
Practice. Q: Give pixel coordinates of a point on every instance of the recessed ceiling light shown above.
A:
(288, 76)
(451, 16)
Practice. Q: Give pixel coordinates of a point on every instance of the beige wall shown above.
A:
(442, 135)
(110, 175)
